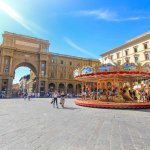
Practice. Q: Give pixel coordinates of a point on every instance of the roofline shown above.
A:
(76, 57)
(127, 43)
(26, 36)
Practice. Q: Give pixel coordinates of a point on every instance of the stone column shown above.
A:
(74, 89)
(0, 83)
(46, 68)
(9, 87)
(10, 66)
(38, 85)
(65, 87)
(46, 86)
(2, 67)
(56, 86)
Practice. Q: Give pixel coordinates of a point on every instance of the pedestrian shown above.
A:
(38, 95)
(55, 96)
(62, 99)
(25, 96)
(29, 96)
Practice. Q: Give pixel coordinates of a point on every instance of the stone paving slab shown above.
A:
(36, 125)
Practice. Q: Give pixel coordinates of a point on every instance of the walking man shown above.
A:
(55, 96)
(25, 95)
(62, 99)
(29, 96)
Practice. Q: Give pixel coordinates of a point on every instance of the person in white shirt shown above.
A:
(55, 96)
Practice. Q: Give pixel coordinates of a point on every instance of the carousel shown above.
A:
(111, 85)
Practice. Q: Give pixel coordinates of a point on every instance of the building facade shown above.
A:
(136, 50)
(50, 71)
(23, 83)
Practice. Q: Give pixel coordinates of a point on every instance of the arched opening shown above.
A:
(61, 87)
(70, 89)
(25, 80)
(78, 88)
(51, 87)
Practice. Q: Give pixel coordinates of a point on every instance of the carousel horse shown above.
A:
(126, 95)
(119, 99)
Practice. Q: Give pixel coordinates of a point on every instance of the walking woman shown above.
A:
(62, 99)
(55, 96)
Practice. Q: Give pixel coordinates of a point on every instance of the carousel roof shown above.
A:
(111, 70)
(107, 61)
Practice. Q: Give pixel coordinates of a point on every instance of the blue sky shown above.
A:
(83, 28)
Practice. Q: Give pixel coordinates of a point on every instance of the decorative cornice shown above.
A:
(25, 36)
(75, 57)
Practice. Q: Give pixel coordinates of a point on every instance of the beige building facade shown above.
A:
(51, 71)
(136, 50)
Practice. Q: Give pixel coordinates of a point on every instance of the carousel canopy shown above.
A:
(110, 70)
(107, 61)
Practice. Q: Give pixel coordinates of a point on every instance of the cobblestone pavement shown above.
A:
(36, 125)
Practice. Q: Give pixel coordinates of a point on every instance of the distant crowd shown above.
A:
(55, 95)
(2, 94)
(33, 95)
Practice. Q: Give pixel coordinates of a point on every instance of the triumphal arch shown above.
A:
(19, 50)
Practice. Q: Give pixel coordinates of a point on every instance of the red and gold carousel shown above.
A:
(112, 85)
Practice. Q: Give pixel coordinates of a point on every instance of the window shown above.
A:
(52, 74)
(111, 57)
(61, 75)
(119, 61)
(136, 59)
(146, 56)
(126, 52)
(70, 63)
(62, 62)
(145, 46)
(118, 55)
(52, 60)
(70, 77)
(43, 67)
(127, 59)
(135, 49)
(6, 70)
(42, 72)
(44, 48)
(6, 61)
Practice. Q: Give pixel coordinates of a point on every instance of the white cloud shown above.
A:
(134, 18)
(75, 46)
(99, 14)
(30, 26)
(107, 15)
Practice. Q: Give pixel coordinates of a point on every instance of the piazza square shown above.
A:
(74, 75)
(35, 124)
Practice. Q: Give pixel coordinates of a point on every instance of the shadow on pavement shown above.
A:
(69, 108)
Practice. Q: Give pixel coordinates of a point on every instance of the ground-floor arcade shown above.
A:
(43, 86)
